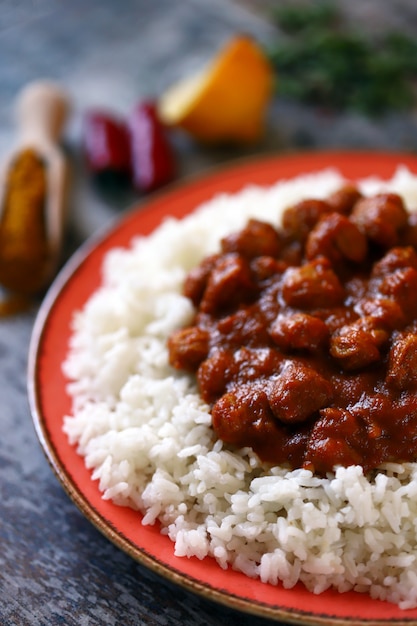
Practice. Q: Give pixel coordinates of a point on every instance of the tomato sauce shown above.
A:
(304, 341)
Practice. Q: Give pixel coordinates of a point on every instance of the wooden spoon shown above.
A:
(33, 183)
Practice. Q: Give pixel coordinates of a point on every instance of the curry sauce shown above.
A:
(304, 341)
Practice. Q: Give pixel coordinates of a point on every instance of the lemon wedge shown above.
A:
(227, 100)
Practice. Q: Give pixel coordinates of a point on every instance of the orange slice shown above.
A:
(227, 100)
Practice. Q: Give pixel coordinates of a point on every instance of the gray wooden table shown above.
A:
(55, 567)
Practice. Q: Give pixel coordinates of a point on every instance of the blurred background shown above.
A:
(344, 77)
(114, 57)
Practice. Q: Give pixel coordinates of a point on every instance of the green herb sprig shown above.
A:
(319, 62)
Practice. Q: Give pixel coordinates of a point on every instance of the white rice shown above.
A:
(144, 431)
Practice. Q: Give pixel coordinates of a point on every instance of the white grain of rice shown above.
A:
(145, 433)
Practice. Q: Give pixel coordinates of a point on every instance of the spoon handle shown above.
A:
(41, 109)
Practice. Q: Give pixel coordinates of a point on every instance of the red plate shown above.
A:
(50, 402)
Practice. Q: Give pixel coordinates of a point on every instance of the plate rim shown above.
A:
(45, 311)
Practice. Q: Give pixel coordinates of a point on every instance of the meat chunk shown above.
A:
(312, 285)
(297, 393)
(215, 373)
(188, 347)
(336, 238)
(394, 259)
(299, 331)
(196, 280)
(299, 219)
(401, 287)
(336, 317)
(337, 438)
(265, 267)
(409, 234)
(385, 312)
(243, 328)
(243, 417)
(229, 283)
(381, 218)
(344, 199)
(402, 363)
(355, 345)
(257, 363)
(256, 239)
